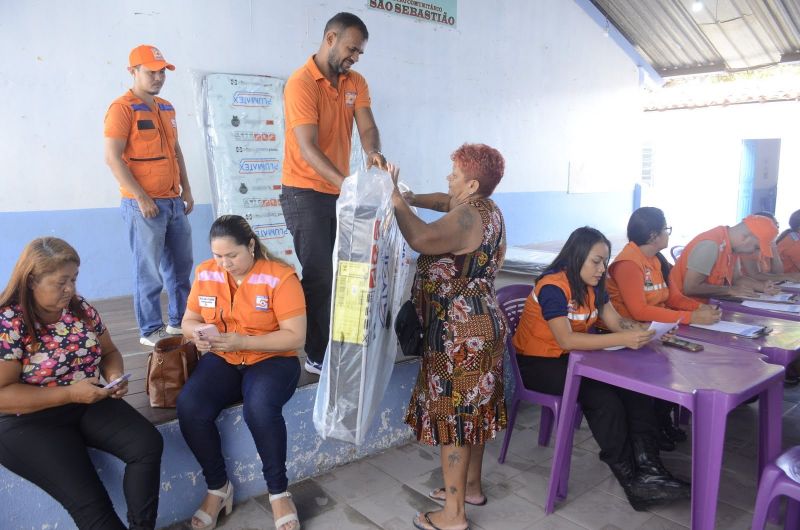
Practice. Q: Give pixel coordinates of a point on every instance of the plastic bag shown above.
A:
(373, 268)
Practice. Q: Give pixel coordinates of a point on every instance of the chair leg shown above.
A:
(546, 426)
(512, 418)
(764, 498)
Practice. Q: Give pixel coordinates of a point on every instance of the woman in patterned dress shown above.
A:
(53, 349)
(458, 402)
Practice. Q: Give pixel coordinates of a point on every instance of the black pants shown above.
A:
(613, 413)
(48, 448)
(311, 218)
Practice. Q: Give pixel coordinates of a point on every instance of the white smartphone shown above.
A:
(117, 381)
(207, 330)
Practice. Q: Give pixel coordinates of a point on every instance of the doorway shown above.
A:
(758, 176)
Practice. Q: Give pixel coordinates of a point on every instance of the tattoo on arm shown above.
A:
(465, 219)
(627, 324)
(454, 459)
(440, 206)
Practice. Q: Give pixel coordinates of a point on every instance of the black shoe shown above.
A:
(674, 434)
(642, 491)
(650, 468)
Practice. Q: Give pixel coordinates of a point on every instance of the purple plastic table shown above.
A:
(782, 346)
(709, 383)
(727, 305)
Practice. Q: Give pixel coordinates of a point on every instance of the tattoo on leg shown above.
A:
(453, 490)
(454, 459)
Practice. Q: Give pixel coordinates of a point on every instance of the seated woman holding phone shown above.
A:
(558, 317)
(247, 309)
(53, 350)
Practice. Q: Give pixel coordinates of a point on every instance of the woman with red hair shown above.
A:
(458, 402)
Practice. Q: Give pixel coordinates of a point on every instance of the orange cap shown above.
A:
(765, 230)
(148, 56)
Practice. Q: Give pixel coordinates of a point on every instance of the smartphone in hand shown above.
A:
(117, 381)
(206, 330)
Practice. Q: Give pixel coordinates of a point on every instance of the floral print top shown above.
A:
(58, 354)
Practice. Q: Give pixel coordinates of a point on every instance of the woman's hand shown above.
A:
(202, 344)
(119, 390)
(86, 391)
(227, 342)
(635, 339)
(706, 314)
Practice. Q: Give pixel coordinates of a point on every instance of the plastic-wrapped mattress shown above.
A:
(373, 266)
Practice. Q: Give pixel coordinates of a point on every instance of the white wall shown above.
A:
(537, 79)
(698, 158)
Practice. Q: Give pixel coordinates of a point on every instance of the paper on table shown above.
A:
(613, 348)
(788, 308)
(661, 328)
(725, 326)
(780, 297)
(791, 285)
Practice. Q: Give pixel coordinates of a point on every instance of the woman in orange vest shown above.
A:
(789, 246)
(558, 317)
(257, 314)
(637, 286)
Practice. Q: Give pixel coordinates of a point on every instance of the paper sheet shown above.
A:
(661, 328)
(725, 326)
(780, 297)
(790, 285)
(787, 308)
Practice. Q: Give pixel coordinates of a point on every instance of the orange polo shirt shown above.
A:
(151, 134)
(637, 288)
(271, 292)
(310, 99)
(789, 248)
(534, 337)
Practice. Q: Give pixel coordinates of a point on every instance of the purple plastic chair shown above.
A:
(780, 478)
(512, 300)
(676, 252)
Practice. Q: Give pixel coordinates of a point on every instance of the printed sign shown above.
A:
(436, 11)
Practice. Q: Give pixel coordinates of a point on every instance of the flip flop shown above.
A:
(434, 495)
(426, 515)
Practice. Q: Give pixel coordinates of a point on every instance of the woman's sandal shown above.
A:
(286, 519)
(209, 522)
(438, 495)
(426, 515)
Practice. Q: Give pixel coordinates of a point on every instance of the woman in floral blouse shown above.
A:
(458, 399)
(53, 351)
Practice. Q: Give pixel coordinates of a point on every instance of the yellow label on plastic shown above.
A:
(350, 303)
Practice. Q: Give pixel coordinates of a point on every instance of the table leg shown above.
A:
(563, 445)
(708, 437)
(769, 433)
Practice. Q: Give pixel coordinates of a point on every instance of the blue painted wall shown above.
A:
(100, 235)
(24, 506)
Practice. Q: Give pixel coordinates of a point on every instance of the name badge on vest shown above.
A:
(262, 302)
(350, 98)
(208, 301)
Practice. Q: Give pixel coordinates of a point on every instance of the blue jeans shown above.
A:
(264, 387)
(162, 242)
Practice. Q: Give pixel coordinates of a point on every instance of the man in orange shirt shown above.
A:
(321, 100)
(142, 150)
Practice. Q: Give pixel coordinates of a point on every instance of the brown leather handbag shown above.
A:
(168, 369)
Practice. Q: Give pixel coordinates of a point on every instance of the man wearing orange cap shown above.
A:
(142, 150)
(708, 265)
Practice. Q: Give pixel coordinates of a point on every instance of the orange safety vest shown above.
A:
(150, 148)
(655, 288)
(721, 273)
(789, 250)
(249, 311)
(533, 336)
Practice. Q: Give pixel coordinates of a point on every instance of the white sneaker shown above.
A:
(174, 330)
(151, 338)
(313, 367)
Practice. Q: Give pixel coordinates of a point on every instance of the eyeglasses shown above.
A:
(667, 230)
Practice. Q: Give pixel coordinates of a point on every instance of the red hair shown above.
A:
(482, 163)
